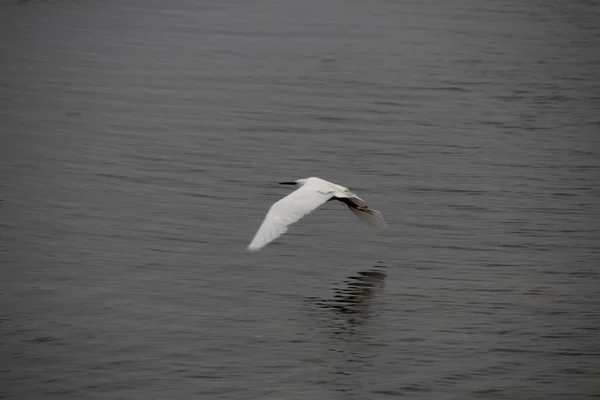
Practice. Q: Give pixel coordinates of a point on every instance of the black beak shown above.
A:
(287, 183)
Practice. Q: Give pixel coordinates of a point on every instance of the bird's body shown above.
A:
(313, 192)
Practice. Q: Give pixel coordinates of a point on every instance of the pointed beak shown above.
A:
(287, 183)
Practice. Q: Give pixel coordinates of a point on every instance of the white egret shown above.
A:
(312, 193)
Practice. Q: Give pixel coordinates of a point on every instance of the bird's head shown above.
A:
(298, 182)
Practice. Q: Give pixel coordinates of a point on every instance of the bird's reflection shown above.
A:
(348, 320)
(353, 302)
(354, 298)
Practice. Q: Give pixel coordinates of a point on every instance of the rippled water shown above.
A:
(141, 146)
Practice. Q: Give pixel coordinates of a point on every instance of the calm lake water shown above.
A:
(141, 144)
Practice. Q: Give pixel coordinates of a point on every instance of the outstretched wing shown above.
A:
(285, 212)
(364, 212)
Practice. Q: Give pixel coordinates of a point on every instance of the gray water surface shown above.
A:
(141, 144)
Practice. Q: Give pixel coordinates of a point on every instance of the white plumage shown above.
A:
(312, 193)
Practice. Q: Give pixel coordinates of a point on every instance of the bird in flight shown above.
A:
(312, 193)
